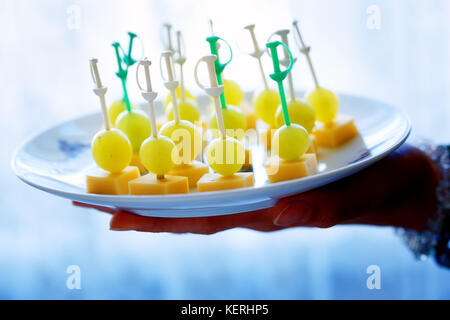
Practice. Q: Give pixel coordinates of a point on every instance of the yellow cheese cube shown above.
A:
(266, 137)
(251, 120)
(313, 146)
(250, 115)
(150, 184)
(336, 133)
(193, 171)
(136, 162)
(204, 125)
(248, 158)
(281, 170)
(102, 182)
(215, 182)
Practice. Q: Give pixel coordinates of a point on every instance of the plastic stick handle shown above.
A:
(214, 90)
(100, 91)
(167, 56)
(148, 94)
(211, 27)
(211, 30)
(129, 61)
(170, 82)
(146, 64)
(279, 75)
(167, 27)
(180, 60)
(305, 50)
(297, 29)
(122, 73)
(257, 53)
(283, 34)
(94, 73)
(218, 65)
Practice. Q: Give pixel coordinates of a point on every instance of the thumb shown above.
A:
(318, 208)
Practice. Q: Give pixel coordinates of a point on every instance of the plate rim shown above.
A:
(350, 168)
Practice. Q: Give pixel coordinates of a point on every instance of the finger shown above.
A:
(99, 208)
(315, 208)
(257, 220)
(387, 181)
(123, 220)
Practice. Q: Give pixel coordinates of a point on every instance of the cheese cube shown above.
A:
(150, 184)
(335, 133)
(281, 170)
(136, 162)
(248, 158)
(193, 171)
(250, 115)
(204, 125)
(102, 182)
(313, 146)
(215, 182)
(266, 137)
(251, 120)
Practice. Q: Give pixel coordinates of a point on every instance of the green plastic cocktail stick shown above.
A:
(123, 72)
(279, 75)
(128, 59)
(218, 65)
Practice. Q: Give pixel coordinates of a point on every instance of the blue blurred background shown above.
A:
(396, 51)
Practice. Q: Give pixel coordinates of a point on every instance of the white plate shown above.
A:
(56, 160)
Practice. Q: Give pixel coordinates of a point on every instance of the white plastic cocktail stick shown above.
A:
(305, 50)
(283, 34)
(211, 27)
(100, 91)
(148, 93)
(211, 31)
(180, 60)
(167, 27)
(214, 90)
(170, 83)
(257, 53)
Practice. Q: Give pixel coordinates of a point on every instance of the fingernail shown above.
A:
(296, 213)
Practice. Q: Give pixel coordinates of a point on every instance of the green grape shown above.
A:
(225, 156)
(300, 112)
(186, 137)
(325, 103)
(188, 111)
(111, 150)
(178, 94)
(266, 104)
(233, 93)
(290, 142)
(156, 154)
(135, 125)
(115, 109)
(234, 121)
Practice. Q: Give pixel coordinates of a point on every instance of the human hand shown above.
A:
(399, 190)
